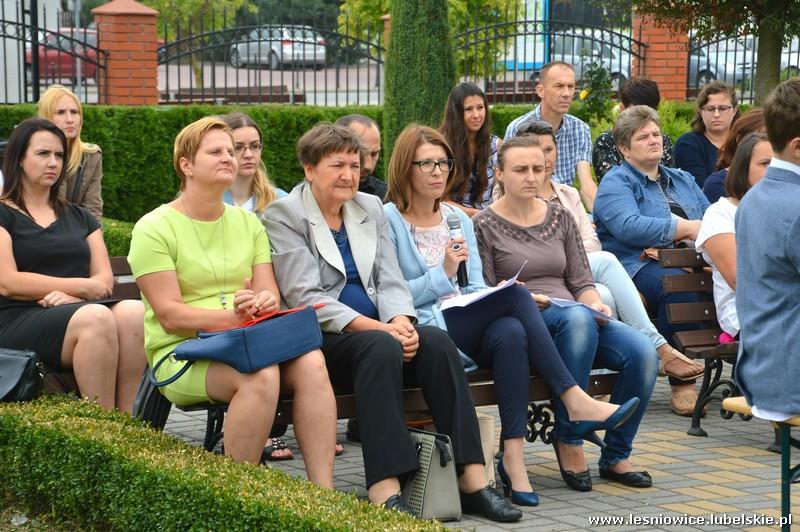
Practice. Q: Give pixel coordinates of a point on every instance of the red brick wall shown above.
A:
(666, 57)
(126, 29)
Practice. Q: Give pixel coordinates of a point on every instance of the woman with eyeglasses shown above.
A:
(521, 229)
(612, 281)
(252, 189)
(467, 127)
(504, 331)
(641, 206)
(696, 151)
(83, 183)
(749, 122)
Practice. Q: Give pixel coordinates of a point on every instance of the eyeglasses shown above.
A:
(712, 109)
(536, 127)
(241, 148)
(427, 166)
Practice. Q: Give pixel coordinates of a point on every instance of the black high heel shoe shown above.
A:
(581, 481)
(586, 429)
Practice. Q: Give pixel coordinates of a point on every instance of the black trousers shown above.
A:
(370, 363)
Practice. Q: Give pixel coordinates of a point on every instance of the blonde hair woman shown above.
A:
(84, 161)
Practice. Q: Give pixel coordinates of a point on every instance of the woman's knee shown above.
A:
(129, 314)
(93, 318)
(264, 382)
(507, 335)
(308, 370)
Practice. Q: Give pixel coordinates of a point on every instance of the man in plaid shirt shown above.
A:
(556, 89)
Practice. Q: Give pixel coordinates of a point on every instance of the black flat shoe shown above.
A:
(489, 504)
(632, 479)
(395, 502)
(581, 481)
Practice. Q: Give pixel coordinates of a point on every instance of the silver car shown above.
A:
(279, 46)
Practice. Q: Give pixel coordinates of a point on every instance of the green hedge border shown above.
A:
(71, 459)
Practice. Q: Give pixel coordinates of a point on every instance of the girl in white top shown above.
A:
(716, 239)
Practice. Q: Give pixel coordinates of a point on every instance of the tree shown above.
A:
(774, 22)
(420, 70)
(488, 22)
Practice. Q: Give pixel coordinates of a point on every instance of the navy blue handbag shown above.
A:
(259, 343)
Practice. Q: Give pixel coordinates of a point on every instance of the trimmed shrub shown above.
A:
(137, 146)
(117, 236)
(107, 471)
(420, 69)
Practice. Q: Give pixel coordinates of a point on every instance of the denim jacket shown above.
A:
(632, 212)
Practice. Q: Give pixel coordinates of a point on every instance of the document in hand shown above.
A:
(468, 299)
(564, 303)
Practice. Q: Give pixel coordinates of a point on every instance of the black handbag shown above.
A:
(21, 375)
(265, 341)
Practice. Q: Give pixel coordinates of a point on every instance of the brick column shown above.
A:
(666, 57)
(126, 29)
(387, 30)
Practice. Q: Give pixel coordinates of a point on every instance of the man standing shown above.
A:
(556, 89)
(768, 267)
(367, 130)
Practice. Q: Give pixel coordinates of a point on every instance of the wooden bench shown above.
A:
(789, 473)
(702, 344)
(522, 92)
(154, 407)
(233, 94)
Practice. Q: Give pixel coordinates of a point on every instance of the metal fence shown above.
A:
(733, 60)
(504, 52)
(270, 63)
(34, 58)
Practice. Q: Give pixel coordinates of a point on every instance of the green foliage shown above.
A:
(419, 67)
(594, 104)
(117, 236)
(361, 17)
(108, 472)
(137, 146)
(773, 21)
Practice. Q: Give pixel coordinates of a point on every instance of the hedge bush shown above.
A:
(117, 236)
(104, 470)
(137, 143)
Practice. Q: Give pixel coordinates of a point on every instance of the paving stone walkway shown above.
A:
(727, 475)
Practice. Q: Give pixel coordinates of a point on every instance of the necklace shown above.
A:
(223, 299)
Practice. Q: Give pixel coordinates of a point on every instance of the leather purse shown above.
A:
(432, 490)
(262, 342)
(21, 375)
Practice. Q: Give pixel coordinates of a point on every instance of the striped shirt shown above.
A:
(573, 139)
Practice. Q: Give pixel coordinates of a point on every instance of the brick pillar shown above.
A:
(126, 29)
(666, 57)
(387, 30)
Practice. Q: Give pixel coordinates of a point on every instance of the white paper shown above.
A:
(564, 303)
(468, 299)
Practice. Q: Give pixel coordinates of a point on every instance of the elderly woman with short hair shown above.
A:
(331, 245)
(641, 205)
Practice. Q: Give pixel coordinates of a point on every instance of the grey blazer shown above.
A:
(309, 268)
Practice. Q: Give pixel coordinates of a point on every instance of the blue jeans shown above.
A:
(648, 282)
(505, 332)
(584, 344)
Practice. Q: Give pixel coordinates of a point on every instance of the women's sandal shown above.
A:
(678, 366)
(276, 444)
(581, 481)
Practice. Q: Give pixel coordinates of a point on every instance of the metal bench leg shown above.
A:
(694, 429)
(214, 422)
(786, 471)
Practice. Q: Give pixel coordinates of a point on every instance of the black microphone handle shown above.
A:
(463, 280)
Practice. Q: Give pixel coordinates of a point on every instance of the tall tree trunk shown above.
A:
(768, 61)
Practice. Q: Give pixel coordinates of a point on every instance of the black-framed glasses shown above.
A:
(241, 148)
(427, 166)
(536, 127)
(712, 109)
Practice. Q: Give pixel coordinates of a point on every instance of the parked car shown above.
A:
(59, 51)
(730, 60)
(278, 46)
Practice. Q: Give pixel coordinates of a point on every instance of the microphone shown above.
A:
(454, 226)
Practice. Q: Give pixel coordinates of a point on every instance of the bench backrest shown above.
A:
(703, 312)
(124, 284)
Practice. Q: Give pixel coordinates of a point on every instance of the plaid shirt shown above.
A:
(573, 139)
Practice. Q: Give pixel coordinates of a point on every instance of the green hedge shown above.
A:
(106, 471)
(137, 143)
(117, 236)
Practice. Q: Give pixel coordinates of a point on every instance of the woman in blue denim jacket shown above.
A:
(642, 205)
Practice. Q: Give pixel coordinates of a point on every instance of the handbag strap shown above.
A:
(74, 196)
(159, 384)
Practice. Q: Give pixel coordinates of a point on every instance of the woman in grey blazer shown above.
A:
(330, 244)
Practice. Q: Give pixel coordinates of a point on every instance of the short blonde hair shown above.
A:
(47, 110)
(188, 141)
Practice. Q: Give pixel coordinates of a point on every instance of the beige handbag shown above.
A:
(432, 491)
